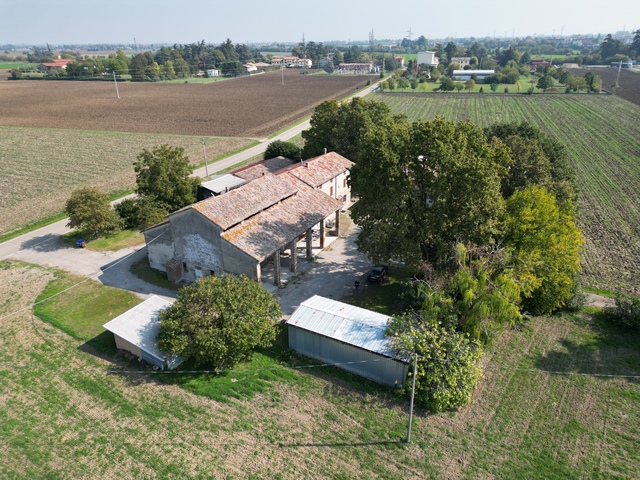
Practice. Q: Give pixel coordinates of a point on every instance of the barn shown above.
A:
(136, 331)
(350, 337)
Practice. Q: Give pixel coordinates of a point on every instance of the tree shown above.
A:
(546, 243)
(469, 85)
(493, 87)
(162, 175)
(545, 82)
(278, 148)
(219, 321)
(447, 370)
(89, 209)
(424, 186)
(446, 84)
(459, 86)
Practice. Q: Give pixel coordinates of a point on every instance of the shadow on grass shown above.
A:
(604, 352)
(103, 345)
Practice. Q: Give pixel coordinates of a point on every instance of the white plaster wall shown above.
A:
(197, 251)
(159, 254)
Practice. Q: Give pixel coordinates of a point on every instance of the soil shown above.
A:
(629, 83)
(252, 106)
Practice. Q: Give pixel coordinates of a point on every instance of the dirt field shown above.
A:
(254, 106)
(629, 88)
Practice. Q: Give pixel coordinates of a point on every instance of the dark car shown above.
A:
(377, 274)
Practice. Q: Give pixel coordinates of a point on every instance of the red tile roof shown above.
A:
(319, 170)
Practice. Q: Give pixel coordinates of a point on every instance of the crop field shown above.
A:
(254, 106)
(39, 168)
(63, 415)
(629, 83)
(602, 136)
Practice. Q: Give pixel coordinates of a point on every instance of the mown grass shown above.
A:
(381, 297)
(106, 243)
(141, 269)
(79, 306)
(602, 137)
(63, 417)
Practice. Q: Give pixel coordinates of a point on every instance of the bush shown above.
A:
(626, 313)
(278, 148)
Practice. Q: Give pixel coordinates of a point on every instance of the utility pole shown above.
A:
(619, 70)
(114, 81)
(204, 152)
(282, 72)
(413, 393)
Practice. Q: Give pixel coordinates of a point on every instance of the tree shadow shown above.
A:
(606, 354)
(45, 243)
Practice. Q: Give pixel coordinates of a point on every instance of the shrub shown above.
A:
(626, 313)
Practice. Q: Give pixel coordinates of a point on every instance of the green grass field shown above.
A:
(12, 65)
(48, 164)
(602, 136)
(67, 414)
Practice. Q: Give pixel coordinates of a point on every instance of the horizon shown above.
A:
(155, 22)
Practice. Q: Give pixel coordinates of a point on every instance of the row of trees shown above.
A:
(487, 215)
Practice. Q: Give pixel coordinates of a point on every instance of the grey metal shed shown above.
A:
(136, 331)
(352, 337)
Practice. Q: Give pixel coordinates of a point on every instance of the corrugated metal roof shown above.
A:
(220, 183)
(139, 326)
(346, 323)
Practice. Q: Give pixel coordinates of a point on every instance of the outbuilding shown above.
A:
(350, 337)
(136, 332)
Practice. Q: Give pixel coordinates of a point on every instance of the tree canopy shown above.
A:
(219, 321)
(89, 209)
(162, 175)
(278, 148)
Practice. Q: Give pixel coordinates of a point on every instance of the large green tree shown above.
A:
(89, 209)
(162, 176)
(219, 321)
(546, 247)
(278, 148)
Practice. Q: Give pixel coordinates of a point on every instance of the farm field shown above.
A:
(39, 168)
(629, 86)
(602, 136)
(63, 415)
(253, 106)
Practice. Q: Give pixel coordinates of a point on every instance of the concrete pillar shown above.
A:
(309, 241)
(337, 223)
(294, 256)
(276, 271)
(321, 234)
(257, 272)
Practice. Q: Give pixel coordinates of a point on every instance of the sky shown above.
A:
(57, 22)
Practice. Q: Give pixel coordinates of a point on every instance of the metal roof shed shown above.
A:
(136, 331)
(354, 338)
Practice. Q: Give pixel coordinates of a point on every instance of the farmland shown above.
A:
(57, 136)
(64, 416)
(629, 83)
(602, 136)
(254, 106)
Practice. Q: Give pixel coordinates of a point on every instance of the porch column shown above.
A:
(322, 234)
(294, 256)
(257, 272)
(276, 272)
(337, 223)
(309, 240)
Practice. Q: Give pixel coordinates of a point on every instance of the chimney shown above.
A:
(306, 164)
(325, 151)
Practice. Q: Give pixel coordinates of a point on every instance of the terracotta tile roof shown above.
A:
(240, 204)
(274, 227)
(272, 165)
(321, 169)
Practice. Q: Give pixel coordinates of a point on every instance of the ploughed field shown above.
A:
(629, 82)
(602, 137)
(254, 106)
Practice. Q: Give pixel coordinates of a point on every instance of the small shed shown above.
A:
(351, 337)
(136, 331)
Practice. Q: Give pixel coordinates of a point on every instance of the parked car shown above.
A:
(377, 274)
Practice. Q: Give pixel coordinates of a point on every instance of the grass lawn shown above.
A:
(382, 297)
(117, 241)
(64, 416)
(141, 269)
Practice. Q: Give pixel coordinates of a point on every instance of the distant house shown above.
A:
(136, 332)
(355, 68)
(462, 61)
(292, 62)
(249, 225)
(570, 65)
(539, 62)
(399, 60)
(56, 64)
(250, 67)
(464, 75)
(350, 337)
(325, 62)
(213, 72)
(428, 58)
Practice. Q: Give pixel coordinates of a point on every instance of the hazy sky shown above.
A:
(186, 21)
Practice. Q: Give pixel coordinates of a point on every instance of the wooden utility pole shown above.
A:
(413, 393)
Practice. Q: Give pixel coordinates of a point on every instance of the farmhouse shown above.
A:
(291, 62)
(465, 75)
(241, 230)
(355, 68)
(539, 62)
(462, 61)
(399, 60)
(354, 338)
(213, 72)
(56, 64)
(428, 58)
(136, 331)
